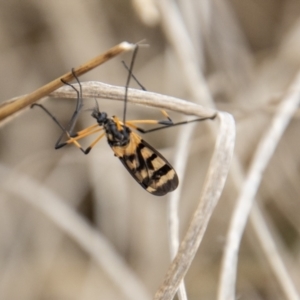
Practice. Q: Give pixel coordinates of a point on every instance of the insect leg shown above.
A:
(88, 129)
(79, 103)
(169, 120)
(73, 140)
(81, 134)
(164, 123)
(74, 137)
(89, 148)
(51, 116)
(68, 130)
(58, 144)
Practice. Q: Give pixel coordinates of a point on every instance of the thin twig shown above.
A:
(9, 108)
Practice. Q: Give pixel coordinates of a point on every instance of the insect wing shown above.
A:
(148, 167)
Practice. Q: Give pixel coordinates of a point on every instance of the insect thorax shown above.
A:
(116, 137)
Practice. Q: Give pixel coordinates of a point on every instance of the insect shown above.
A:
(144, 163)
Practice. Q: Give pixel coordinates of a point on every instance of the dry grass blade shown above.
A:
(181, 159)
(80, 231)
(213, 186)
(182, 45)
(246, 198)
(189, 61)
(10, 107)
(94, 89)
(274, 257)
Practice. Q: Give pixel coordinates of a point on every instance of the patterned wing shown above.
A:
(147, 166)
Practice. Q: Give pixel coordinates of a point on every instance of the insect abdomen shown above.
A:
(147, 166)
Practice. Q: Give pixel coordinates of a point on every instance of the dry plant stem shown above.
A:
(213, 186)
(246, 198)
(94, 89)
(181, 157)
(180, 41)
(11, 107)
(13, 259)
(147, 11)
(77, 228)
(178, 36)
(193, 24)
(274, 257)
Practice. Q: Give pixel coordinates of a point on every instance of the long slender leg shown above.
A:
(132, 123)
(166, 123)
(162, 122)
(51, 116)
(89, 148)
(88, 129)
(68, 130)
(77, 137)
(79, 103)
(144, 89)
(58, 144)
(81, 134)
(73, 139)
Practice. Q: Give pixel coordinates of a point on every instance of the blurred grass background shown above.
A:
(249, 53)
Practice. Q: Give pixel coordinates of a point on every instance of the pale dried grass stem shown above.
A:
(79, 230)
(213, 186)
(194, 81)
(261, 158)
(96, 90)
(272, 253)
(181, 43)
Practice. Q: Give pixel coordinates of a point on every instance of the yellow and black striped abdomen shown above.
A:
(147, 166)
